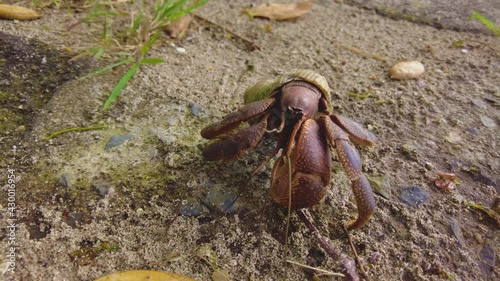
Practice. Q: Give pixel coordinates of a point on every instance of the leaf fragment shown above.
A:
(12, 12)
(138, 275)
(491, 213)
(278, 11)
(178, 27)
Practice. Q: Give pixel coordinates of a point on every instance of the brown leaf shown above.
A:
(178, 27)
(277, 11)
(12, 12)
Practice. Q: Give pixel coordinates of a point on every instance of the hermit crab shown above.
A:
(296, 106)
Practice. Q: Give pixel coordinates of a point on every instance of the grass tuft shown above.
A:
(489, 24)
(146, 20)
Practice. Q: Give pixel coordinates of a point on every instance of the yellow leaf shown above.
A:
(12, 12)
(277, 11)
(145, 275)
(220, 275)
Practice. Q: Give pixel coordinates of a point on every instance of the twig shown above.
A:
(322, 241)
(362, 53)
(356, 257)
(349, 268)
(250, 43)
(322, 271)
(100, 127)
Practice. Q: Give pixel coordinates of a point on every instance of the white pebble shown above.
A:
(406, 70)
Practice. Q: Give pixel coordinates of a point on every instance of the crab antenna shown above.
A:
(287, 159)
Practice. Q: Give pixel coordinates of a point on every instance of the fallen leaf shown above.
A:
(220, 275)
(178, 27)
(140, 275)
(276, 11)
(12, 12)
(491, 213)
(446, 180)
(380, 185)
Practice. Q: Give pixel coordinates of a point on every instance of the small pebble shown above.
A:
(222, 201)
(195, 109)
(102, 189)
(488, 122)
(429, 166)
(192, 208)
(116, 140)
(487, 261)
(66, 180)
(455, 228)
(479, 102)
(473, 131)
(4, 82)
(406, 70)
(414, 195)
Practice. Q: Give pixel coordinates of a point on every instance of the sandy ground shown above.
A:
(84, 212)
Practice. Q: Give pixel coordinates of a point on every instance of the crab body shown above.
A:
(297, 107)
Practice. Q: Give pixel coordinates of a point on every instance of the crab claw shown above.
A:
(236, 145)
(349, 157)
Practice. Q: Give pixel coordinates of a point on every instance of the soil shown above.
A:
(84, 211)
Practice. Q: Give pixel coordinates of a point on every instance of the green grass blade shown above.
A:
(146, 47)
(189, 9)
(123, 82)
(136, 24)
(87, 52)
(151, 61)
(173, 10)
(98, 54)
(162, 10)
(109, 67)
(491, 26)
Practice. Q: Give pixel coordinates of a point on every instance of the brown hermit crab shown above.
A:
(296, 106)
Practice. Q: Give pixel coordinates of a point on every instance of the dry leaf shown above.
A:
(12, 12)
(139, 275)
(277, 11)
(178, 27)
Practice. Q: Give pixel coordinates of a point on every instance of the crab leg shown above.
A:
(351, 162)
(234, 119)
(356, 132)
(234, 146)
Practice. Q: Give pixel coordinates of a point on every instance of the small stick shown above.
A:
(248, 41)
(362, 53)
(100, 127)
(346, 262)
(356, 257)
(321, 271)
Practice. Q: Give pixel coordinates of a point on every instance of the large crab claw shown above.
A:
(310, 171)
(338, 130)
(234, 146)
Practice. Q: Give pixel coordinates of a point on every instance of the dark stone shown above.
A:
(117, 140)
(413, 195)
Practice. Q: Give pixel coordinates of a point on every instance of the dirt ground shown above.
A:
(84, 212)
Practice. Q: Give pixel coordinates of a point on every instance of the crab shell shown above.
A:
(267, 88)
